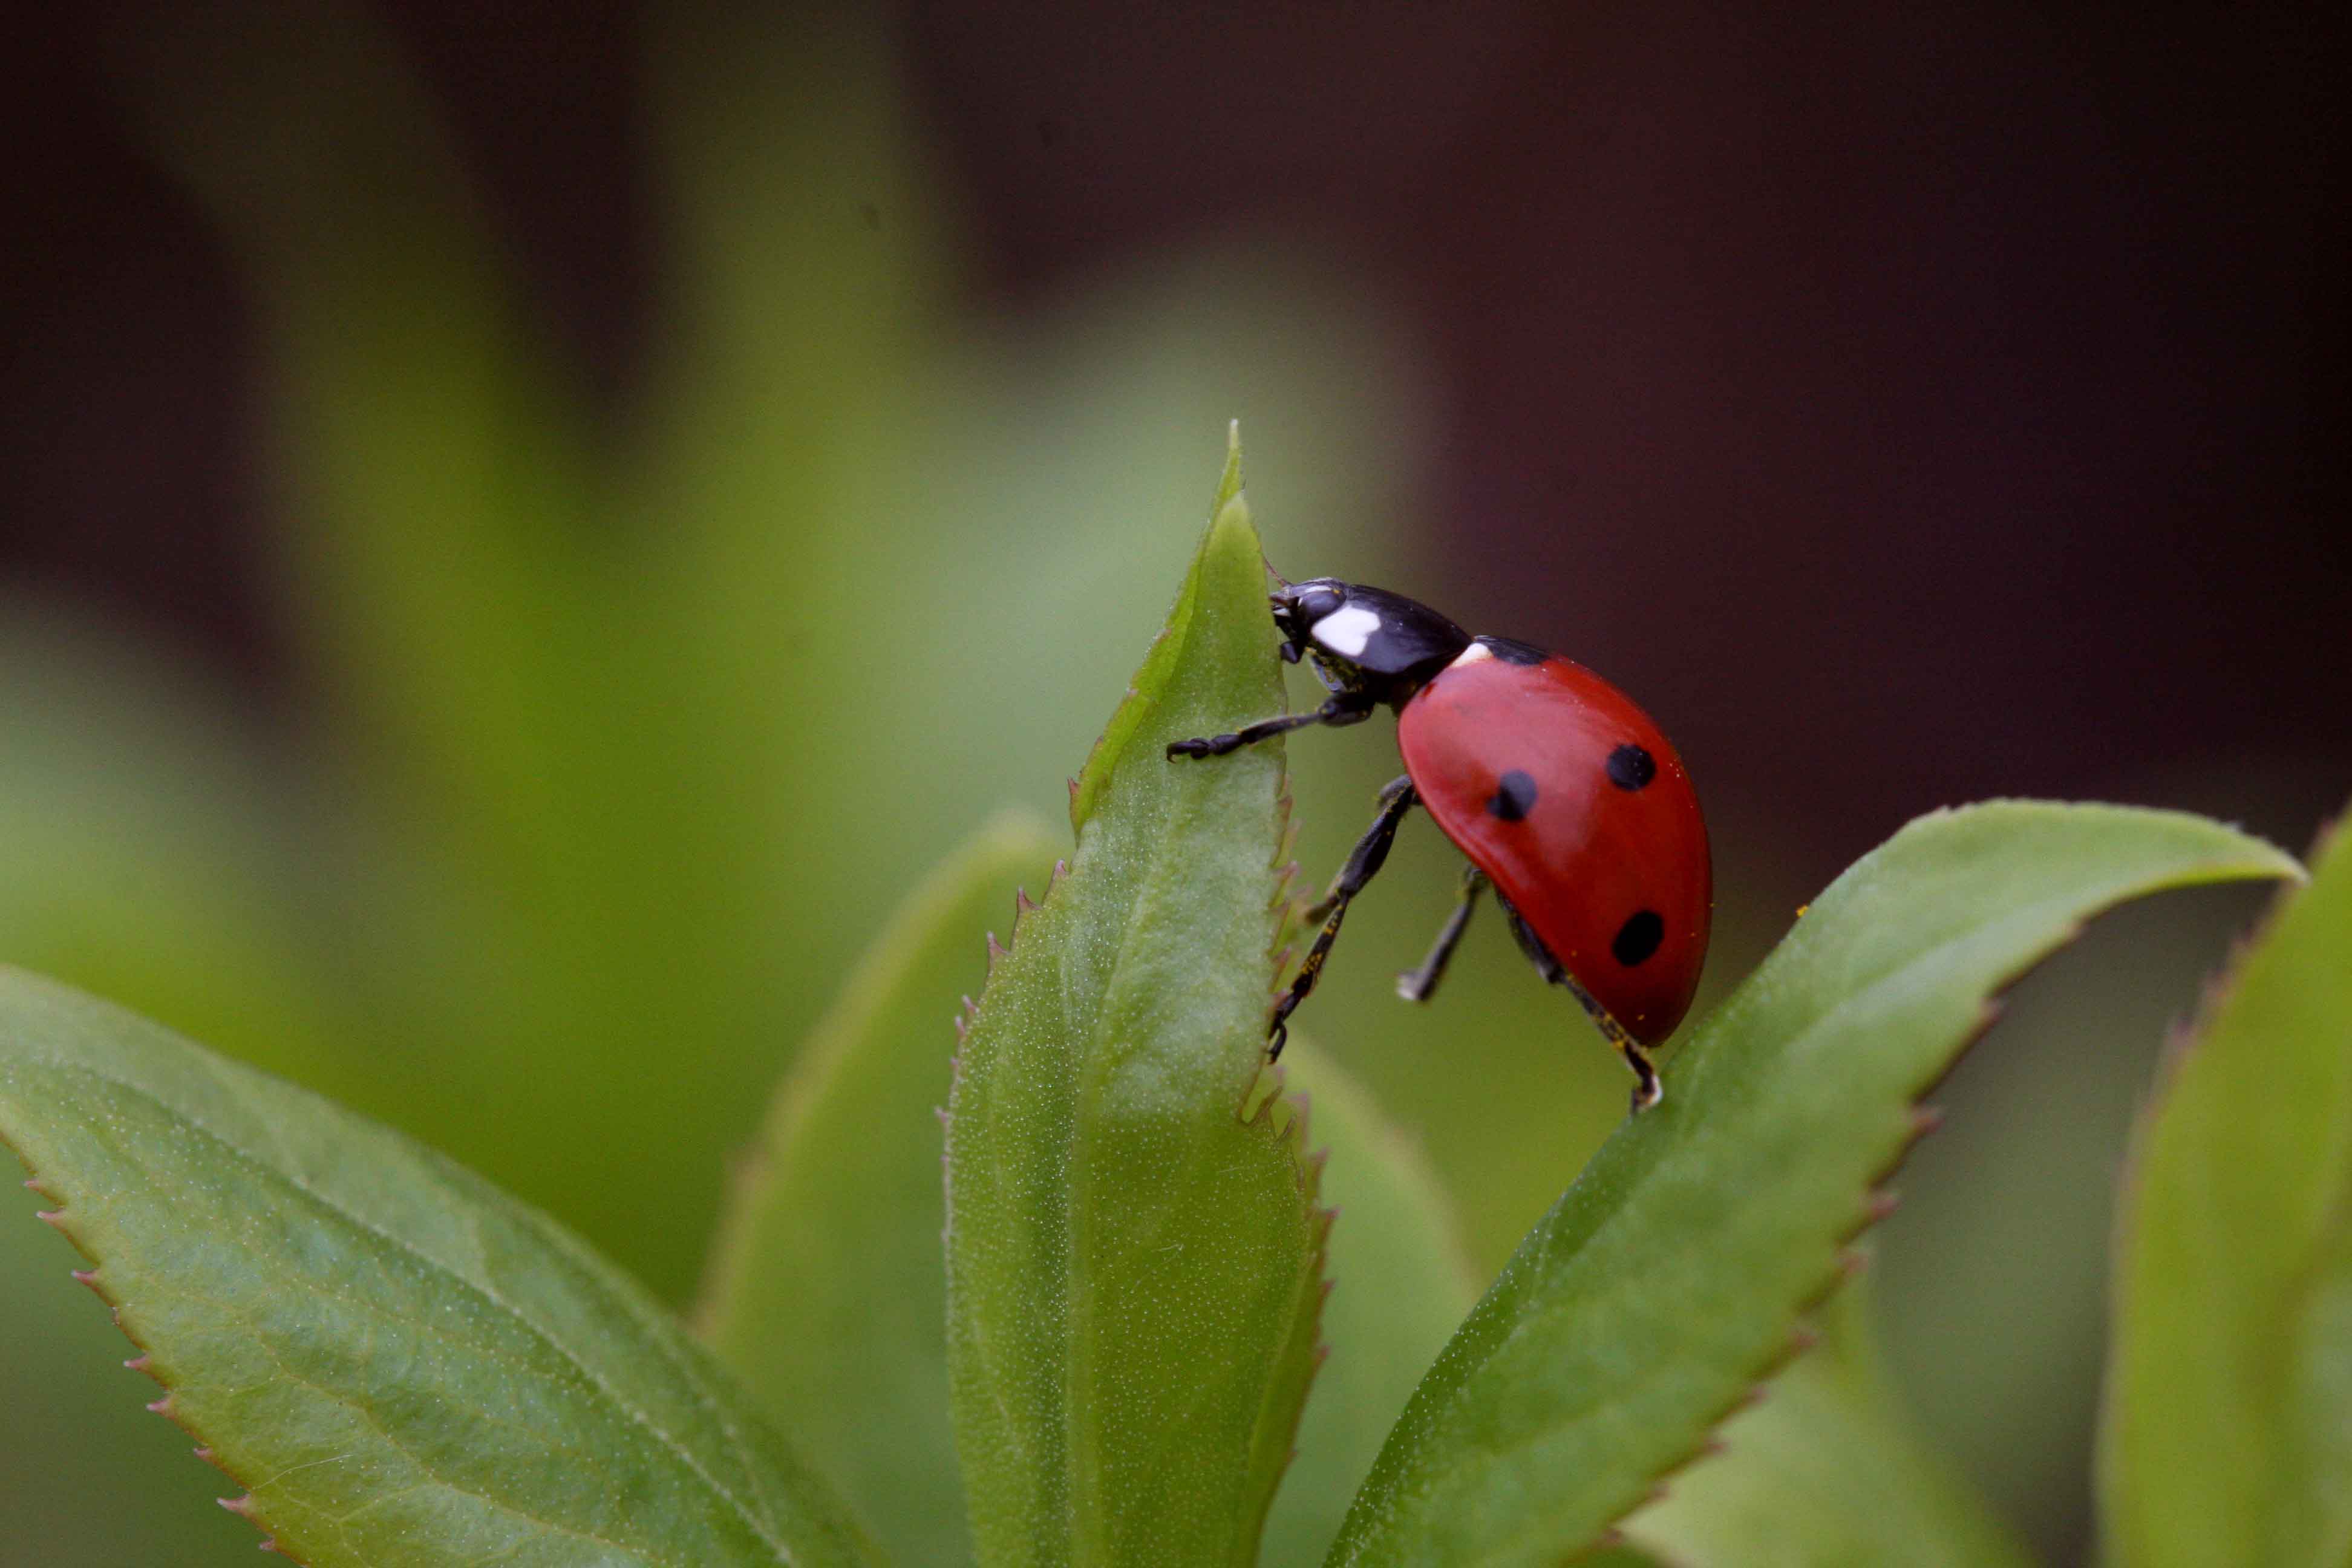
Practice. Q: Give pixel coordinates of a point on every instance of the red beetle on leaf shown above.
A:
(1569, 801)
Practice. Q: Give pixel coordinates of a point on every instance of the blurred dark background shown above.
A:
(1909, 404)
(1970, 381)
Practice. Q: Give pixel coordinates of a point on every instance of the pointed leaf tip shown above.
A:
(1229, 483)
(1216, 644)
(1535, 1431)
(1119, 1244)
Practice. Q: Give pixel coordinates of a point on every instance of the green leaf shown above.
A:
(1133, 1269)
(604, 688)
(1827, 1468)
(826, 1293)
(1399, 1285)
(1666, 1280)
(401, 1362)
(142, 852)
(2227, 1434)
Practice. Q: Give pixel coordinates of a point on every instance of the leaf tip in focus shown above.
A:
(1229, 530)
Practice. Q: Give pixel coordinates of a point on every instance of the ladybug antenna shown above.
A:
(1279, 579)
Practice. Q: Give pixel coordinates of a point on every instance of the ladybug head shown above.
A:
(1299, 608)
(1366, 638)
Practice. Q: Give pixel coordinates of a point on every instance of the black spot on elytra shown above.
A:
(1638, 938)
(1514, 797)
(1511, 652)
(1630, 767)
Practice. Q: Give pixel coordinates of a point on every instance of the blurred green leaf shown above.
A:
(1828, 1470)
(1666, 1280)
(399, 1361)
(605, 686)
(1399, 1285)
(571, 668)
(2227, 1433)
(828, 1292)
(442, 469)
(147, 853)
(501, 669)
(1133, 1269)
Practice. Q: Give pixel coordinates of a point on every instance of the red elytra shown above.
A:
(1569, 801)
(1588, 858)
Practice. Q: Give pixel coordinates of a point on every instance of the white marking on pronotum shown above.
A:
(1473, 654)
(1348, 630)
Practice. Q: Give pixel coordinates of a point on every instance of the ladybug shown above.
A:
(1569, 801)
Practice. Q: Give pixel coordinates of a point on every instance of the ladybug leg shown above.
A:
(1335, 712)
(1371, 850)
(1420, 984)
(1647, 1092)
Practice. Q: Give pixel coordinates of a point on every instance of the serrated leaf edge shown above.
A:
(640, 1310)
(61, 1220)
(1874, 1198)
(1877, 1199)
